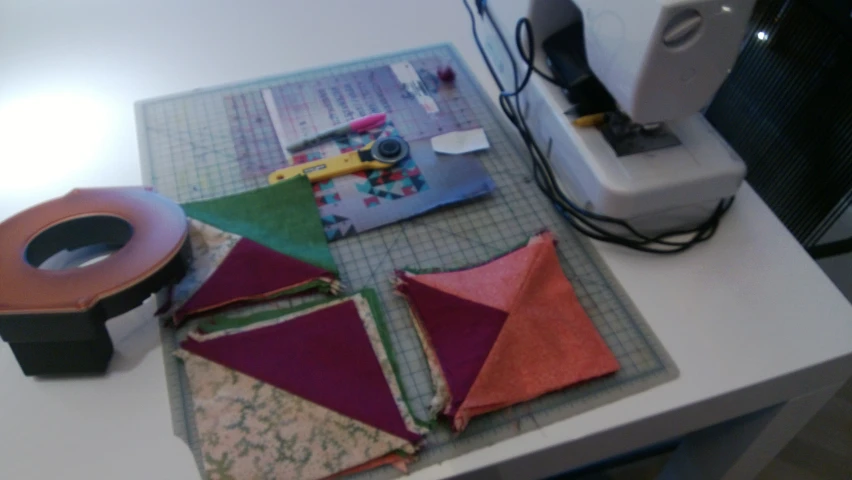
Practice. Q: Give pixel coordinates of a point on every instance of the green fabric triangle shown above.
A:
(283, 217)
(228, 321)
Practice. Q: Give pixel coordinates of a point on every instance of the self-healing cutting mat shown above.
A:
(263, 121)
(189, 152)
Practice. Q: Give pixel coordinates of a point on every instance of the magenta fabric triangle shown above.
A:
(324, 356)
(251, 271)
(460, 331)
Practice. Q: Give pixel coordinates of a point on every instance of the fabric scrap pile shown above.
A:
(504, 332)
(313, 392)
(307, 393)
(254, 246)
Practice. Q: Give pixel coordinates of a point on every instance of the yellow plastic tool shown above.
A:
(592, 120)
(382, 153)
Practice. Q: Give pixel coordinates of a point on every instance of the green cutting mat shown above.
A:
(188, 153)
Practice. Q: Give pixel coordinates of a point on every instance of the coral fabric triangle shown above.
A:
(461, 333)
(396, 460)
(324, 356)
(495, 284)
(547, 343)
(251, 271)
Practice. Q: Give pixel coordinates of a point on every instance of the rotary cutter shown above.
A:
(380, 154)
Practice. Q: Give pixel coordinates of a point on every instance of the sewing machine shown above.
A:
(655, 160)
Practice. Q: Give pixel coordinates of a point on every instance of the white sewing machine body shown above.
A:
(661, 61)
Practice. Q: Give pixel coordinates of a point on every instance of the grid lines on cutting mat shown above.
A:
(188, 154)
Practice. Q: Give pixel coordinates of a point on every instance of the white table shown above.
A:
(749, 319)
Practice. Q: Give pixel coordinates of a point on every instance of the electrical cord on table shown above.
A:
(584, 221)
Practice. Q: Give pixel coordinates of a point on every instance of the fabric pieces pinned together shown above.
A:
(254, 246)
(303, 394)
(504, 332)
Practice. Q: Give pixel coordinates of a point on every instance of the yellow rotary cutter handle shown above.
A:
(382, 153)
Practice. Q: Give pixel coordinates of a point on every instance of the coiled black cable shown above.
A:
(586, 222)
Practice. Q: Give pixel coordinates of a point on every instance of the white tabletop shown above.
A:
(747, 310)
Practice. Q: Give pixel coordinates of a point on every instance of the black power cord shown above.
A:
(586, 222)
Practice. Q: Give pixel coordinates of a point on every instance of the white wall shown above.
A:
(839, 268)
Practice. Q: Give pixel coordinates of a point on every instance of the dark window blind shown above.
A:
(786, 108)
